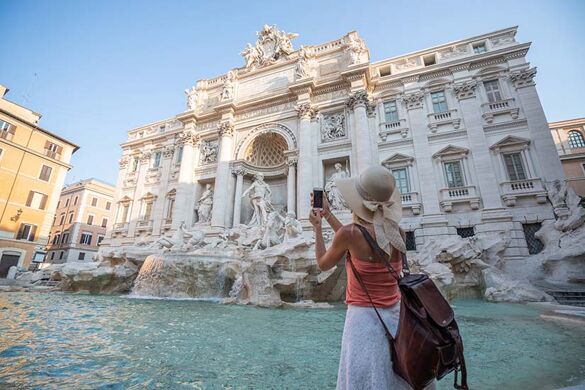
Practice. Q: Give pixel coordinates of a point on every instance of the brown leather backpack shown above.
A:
(427, 345)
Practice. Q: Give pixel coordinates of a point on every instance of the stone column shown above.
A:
(239, 172)
(220, 192)
(184, 197)
(542, 141)
(359, 103)
(306, 165)
(136, 205)
(291, 189)
(160, 205)
(471, 113)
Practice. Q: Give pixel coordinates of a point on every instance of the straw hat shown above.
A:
(373, 196)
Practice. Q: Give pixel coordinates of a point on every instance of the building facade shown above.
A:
(33, 165)
(569, 136)
(84, 213)
(460, 125)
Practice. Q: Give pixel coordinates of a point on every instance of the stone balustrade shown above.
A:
(450, 117)
(144, 225)
(511, 190)
(467, 194)
(120, 226)
(412, 201)
(394, 127)
(500, 107)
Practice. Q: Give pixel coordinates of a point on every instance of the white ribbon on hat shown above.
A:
(387, 230)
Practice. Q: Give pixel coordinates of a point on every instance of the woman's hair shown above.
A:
(357, 219)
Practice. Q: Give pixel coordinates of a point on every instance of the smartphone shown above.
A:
(317, 198)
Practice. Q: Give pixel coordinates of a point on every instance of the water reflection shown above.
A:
(83, 341)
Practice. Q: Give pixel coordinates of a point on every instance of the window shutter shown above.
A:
(11, 129)
(30, 198)
(43, 202)
(59, 150)
(20, 230)
(31, 234)
(47, 144)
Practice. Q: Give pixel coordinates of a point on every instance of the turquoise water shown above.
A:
(69, 341)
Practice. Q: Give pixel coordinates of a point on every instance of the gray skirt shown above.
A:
(365, 361)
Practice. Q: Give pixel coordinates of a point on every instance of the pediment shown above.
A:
(397, 159)
(510, 141)
(149, 195)
(125, 199)
(451, 150)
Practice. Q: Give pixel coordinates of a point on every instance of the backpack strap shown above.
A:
(383, 255)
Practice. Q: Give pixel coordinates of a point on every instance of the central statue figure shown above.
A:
(260, 199)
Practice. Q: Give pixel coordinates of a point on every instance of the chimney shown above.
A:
(3, 91)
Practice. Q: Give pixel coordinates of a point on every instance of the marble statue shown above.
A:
(333, 195)
(333, 127)
(260, 199)
(355, 47)
(192, 96)
(304, 66)
(292, 227)
(209, 152)
(271, 231)
(271, 45)
(567, 208)
(227, 93)
(205, 204)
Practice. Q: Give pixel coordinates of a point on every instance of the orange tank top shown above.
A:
(380, 283)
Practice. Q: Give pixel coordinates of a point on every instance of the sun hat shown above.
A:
(374, 197)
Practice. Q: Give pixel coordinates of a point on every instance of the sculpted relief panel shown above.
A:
(333, 127)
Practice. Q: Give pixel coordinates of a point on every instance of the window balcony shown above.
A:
(120, 226)
(500, 107)
(437, 119)
(5, 134)
(394, 127)
(144, 225)
(52, 154)
(411, 200)
(512, 190)
(451, 196)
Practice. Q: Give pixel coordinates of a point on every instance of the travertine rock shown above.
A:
(105, 277)
(500, 287)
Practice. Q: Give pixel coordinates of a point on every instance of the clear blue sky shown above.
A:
(96, 69)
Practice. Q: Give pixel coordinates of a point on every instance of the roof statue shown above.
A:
(271, 45)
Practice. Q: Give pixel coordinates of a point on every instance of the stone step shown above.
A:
(569, 297)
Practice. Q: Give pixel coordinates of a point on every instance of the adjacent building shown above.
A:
(83, 214)
(569, 136)
(33, 165)
(460, 125)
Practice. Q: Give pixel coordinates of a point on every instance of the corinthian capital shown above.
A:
(413, 100)
(523, 78)
(465, 90)
(187, 137)
(226, 128)
(306, 111)
(358, 98)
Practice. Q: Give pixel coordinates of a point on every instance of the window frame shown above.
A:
(48, 179)
(479, 45)
(94, 202)
(577, 142)
(388, 113)
(156, 160)
(32, 228)
(497, 91)
(104, 225)
(90, 218)
(83, 237)
(438, 106)
(522, 165)
(459, 162)
(406, 179)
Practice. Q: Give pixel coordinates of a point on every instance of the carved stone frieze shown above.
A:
(523, 78)
(413, 100)
(145, 156)
(123, 161)
(306, 111)
(168, 151)
(333, 127)
(226, 129)
(465, 90)
(209, 151)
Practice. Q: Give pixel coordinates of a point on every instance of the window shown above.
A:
(534, 244)
(134, 164)
(479, 48)
(56, 238)
(81, 256)
(108, 205)
(125, 209)
(100, 239)
(61, 255)
(401, 177)
(492, 90)
(439, 101)
(170, 207)
(583, 166)
(514, 166)
(45, 173)
(90, 219)
(465, 232)
(179, 155)
(71, 217)
(52, 255)
(1, 152)
(94, 202)
(85, 238)
(7, 130)
(53, 150)
(391, 111)
(454, 174)
(104, 222)
(65, 238)
(156, 159)
(36, 200)
(147, 211)
(62, 220)
(67, 202)
(410, 241)
(576, 139)
(26, 232)
(429, 60)
(75, 200)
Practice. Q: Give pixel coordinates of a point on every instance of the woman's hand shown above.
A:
(315, 219)
(326, 210)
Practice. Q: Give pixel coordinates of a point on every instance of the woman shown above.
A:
(365, 361)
